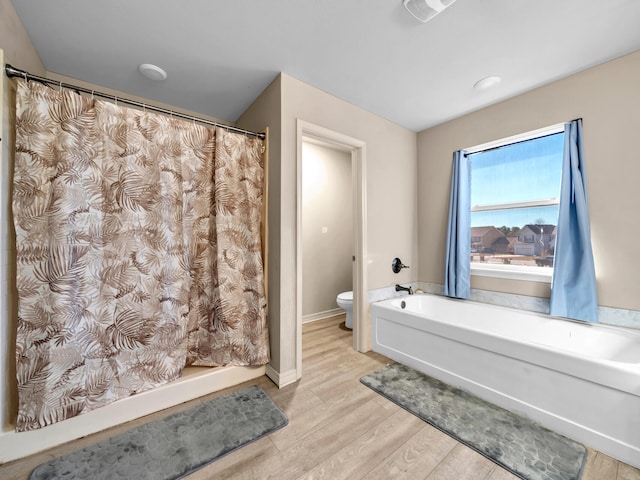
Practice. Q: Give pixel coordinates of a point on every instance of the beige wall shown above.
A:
(391, 195)
(14, 40)
(265, 112)
(390, 172)
(327, 227)
(607, 98)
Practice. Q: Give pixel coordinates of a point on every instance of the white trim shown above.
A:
(513, 272)
(362, 324)
(281, 379)
(8, 305)
(15, 445)
(307, 131)
(314, 317)
(521, 137)
(513, 205)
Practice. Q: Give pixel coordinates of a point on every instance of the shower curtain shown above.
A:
(138, 251)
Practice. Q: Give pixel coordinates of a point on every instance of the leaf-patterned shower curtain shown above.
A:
(138, 251)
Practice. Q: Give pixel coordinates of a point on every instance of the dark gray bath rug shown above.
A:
(174, 446)
(523, 447)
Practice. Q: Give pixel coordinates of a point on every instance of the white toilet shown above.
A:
(345, 302)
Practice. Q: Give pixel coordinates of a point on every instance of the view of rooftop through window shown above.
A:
(514, 202)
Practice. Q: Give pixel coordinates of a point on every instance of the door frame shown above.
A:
(357, 149)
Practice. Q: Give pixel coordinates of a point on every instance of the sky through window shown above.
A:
(521, 172)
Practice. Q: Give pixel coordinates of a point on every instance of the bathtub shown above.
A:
(582, 380)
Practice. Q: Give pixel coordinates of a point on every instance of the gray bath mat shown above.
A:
(516, 443)
(175, 446)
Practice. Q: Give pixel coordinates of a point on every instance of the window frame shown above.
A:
(514, 272)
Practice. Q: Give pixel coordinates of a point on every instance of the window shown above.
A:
(515, 190)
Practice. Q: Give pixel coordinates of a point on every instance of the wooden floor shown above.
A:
(340, 429)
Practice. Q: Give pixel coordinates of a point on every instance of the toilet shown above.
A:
(345, 302)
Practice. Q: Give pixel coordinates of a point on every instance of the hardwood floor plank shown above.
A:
(297, 401)
(462, 463)
(229, 466)
(500, 473)
(21, 469)
(313, 327)
(353, 461)
(626, 472)
(319, 352)
(341, 405)
(416, 458)
(303, 455)
(343, 382)
(599, 467)
(328, 373)
(338, 363)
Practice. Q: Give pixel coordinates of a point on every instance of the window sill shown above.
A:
(513, 272)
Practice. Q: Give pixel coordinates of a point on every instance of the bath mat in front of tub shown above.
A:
(525, 448)
(176, 445)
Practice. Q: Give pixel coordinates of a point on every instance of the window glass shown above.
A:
(514, 202)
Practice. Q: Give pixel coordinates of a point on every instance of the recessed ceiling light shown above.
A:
(152, 72)
(487, 83)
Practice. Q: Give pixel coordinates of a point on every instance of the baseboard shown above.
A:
(281, 379)
(15, 445)
(314, 317)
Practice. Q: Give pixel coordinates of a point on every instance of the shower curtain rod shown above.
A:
(16, 72)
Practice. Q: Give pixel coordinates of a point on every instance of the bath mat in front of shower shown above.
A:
(176, 445)
(525, 448)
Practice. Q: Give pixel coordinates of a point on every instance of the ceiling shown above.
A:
(221, 54)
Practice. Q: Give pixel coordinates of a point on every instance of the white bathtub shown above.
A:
(582, 380)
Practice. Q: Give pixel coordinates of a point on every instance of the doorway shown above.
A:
(327, 229)
(308, 132)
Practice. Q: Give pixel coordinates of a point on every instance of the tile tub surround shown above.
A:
(607, 315)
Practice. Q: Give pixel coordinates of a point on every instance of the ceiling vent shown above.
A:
(425, 10)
